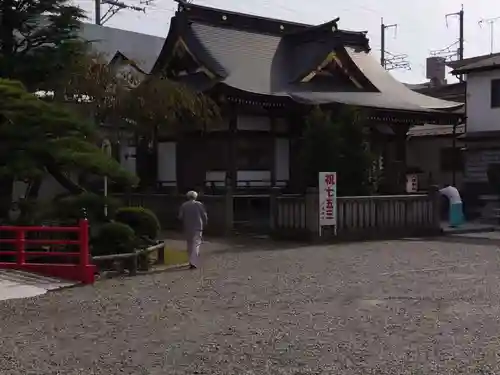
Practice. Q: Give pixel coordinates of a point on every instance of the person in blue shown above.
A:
(456, 212)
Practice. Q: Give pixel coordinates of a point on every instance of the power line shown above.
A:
(383, 28)
(456, 49)
(397, 61)
(115, 7)
(394, 61)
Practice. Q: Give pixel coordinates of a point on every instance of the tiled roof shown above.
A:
(269, 57)
(487, 62)
(142, 49)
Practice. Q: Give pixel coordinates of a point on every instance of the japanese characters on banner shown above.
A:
(327, 199)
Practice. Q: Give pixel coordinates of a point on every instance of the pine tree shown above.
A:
(39, 138)
(37, 39)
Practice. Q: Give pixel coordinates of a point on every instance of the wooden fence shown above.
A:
(166, 207)
(361, 217)
(296, 216)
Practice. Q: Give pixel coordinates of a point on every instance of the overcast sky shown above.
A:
(421, 23)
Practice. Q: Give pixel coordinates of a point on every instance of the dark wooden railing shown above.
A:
(359, 217)
(296, 216)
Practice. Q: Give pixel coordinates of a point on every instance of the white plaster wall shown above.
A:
(217, 178)
(49, 189)
(128, 158)
(253, 178)
(480, 115)
(167, 163)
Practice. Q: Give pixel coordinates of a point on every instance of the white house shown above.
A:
(482, 132)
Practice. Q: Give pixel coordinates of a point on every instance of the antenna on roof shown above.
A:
(115, 7)
(491, 22)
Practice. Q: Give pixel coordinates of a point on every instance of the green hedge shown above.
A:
(142, 220)
(113, 238)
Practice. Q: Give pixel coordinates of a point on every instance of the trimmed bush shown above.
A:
(142, 220)
(113, 238)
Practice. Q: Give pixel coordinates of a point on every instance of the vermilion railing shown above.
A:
(80, 269)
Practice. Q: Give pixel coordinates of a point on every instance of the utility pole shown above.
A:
(393, 61)
(448, 52)
(491, 22)
(460, 50)
(115, 7)
(461, 34)
(97, 12)
(383, 28)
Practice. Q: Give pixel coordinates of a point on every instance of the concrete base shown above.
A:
(20, 284)
(469, 227)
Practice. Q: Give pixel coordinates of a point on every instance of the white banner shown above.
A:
(327, 198)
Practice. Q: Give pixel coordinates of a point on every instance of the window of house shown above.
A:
(495, 93)
(451, 159)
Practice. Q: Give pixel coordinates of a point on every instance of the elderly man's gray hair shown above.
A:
(192, 194)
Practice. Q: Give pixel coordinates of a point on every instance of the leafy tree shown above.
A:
(146, 106)
(337, 143)
(39, 138)
(37, 40)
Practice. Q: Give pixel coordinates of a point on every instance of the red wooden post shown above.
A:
(20, 247)
(87, 272)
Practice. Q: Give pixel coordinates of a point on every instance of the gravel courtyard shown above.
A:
(397, 307)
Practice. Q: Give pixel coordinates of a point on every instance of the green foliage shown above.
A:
(142, 220)
(36, 136)
(159, 105)
(113, 238)
(337, 144)
(37, 40)
(72, 207)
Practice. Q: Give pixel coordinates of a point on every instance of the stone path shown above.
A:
(394, 307)
(19, 284)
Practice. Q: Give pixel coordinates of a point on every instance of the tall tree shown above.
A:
(145, 106)
(337, 143)
(44, 138)
(37, 39)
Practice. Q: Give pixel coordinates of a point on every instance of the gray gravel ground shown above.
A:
(398, 307)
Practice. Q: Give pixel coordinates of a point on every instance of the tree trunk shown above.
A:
(64, 180)
(34, 188)
(6, 190)
(7, 37)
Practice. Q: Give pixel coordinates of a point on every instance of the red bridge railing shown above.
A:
(79, 269)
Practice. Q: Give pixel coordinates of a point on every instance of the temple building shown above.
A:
(266, 75)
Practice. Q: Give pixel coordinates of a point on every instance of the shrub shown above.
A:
(142, 220)
(113, 238)
(71, 207)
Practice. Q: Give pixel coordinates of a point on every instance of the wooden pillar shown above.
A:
(400, 131)
(296, 123)
(273, 137)
(231, 173)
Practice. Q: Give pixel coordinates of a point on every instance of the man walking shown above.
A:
(194, 218)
